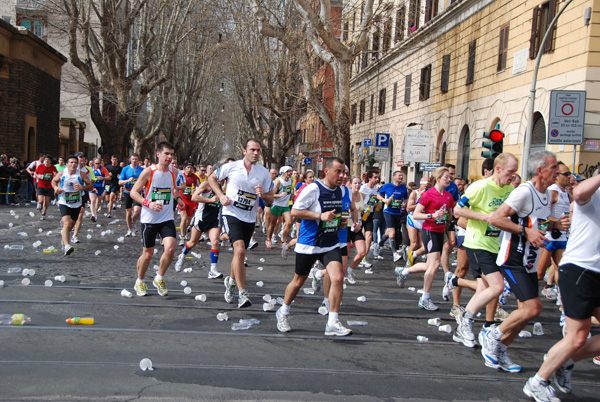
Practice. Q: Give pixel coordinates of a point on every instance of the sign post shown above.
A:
(567, 117)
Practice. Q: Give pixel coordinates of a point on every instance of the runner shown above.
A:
(528, 208)
(246, 182)
(319, 206)
(481, 243)
(267, 217)
(187, 212)
(369, 190)
(31, 170)
(115, 172)
(127, 179)
(433, 206)
(101, 174)
(281, 207)
(356, 237)
(579, 281)
(60, 166)
(394, 195)
(44, 174)
(69, 185)
(450, 234)
(310, 177)
(206, 220)
(155, 189)
(86, 170)
(551, 254)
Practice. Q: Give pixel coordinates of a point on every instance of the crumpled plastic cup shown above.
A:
(146, 364)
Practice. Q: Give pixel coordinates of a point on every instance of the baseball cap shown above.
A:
(578, 177)
(81, 154)
(284, 169)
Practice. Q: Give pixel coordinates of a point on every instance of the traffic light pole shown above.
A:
(529, 132)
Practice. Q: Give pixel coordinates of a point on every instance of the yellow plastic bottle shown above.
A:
(81, 320)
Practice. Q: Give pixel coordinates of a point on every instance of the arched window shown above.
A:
(464, 152)
(443, 154)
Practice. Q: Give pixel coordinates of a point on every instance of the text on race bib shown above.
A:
(245, 200)
(71, 198)
(162, 195)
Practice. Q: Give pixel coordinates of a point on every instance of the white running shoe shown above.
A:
(74, 239)
(316, 283)
(396, 256)
(365, 264)
(350, 278)
(337, 329)
(540, 391)
(253, 244)
(179, 263)
(283, 321)
(284, 251)
(214, 274)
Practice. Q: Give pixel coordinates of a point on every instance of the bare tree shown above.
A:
(124, 50)
(320, 34)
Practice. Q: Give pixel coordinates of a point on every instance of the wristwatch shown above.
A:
(429, 216)
(523, 233)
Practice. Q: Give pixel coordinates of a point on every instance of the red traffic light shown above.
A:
(496, 135)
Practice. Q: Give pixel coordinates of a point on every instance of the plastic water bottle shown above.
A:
(240, 326)
(97, 252)
(14, 247)
(14, 319)
(37, 244)
(197, 255)
(14, 270)
(22, 234)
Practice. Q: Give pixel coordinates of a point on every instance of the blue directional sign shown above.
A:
(367, 143)
(382, 140)
(307, 161)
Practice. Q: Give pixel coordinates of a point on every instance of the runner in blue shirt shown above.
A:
(127, 179)
(450, 237)
(394, 195)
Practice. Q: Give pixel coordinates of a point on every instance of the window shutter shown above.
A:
(428, 7)
(445, 73)
(471, 63)
(551, 13)
(533, 40)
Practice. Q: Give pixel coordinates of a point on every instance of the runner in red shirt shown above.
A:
(44, 174)
(435, 206)
(191, 182)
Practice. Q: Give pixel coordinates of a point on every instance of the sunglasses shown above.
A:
(203, 171)
(566, 174)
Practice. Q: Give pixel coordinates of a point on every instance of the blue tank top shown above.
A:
(346, 201)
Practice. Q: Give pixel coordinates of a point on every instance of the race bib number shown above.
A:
(441, 220)
(333, 225)
(396, 203)
(47, 176)
(492, 231)
(543, 225)
(187, 191)
(72, 198)
(372, 201)
(287, 189)
(245, 200)
(161, 195)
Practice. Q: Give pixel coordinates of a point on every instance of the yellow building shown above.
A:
(457, 70)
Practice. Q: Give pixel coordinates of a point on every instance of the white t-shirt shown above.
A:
(370, 195)
(583, 247)
(241, 188)
(561, 207)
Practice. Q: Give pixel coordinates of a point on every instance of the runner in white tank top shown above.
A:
(160, 185)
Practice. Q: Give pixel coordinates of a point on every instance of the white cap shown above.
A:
(284, 169)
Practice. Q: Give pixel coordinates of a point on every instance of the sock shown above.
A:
(405, 272)
(214, 256)
(426, 295)
(350, 270)
(502, 347)
(539, 379)
(242, 292)
(455, 280)
(285, 309)
(213, 267)
(469, 315)
(393, 244)
(138, 280)
(231, 281)
(186, 249)
(496, 333)
(383, 240)
(158, 277)
(318, 275)
(333, 317)
(325, 300)
(488, 324)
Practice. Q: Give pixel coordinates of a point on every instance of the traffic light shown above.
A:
(495, 145)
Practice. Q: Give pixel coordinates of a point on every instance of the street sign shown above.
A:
(307, 161)
(382, 154)
(428, 167)
(367, 143)
(567, 117)
(382, 140)
(416, 144)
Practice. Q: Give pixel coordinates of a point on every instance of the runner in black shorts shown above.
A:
(114, 170)
(163, 229)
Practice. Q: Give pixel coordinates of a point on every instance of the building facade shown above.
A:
(452, 71)
(30, 74)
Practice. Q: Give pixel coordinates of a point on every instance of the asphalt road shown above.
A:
(197, 357)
